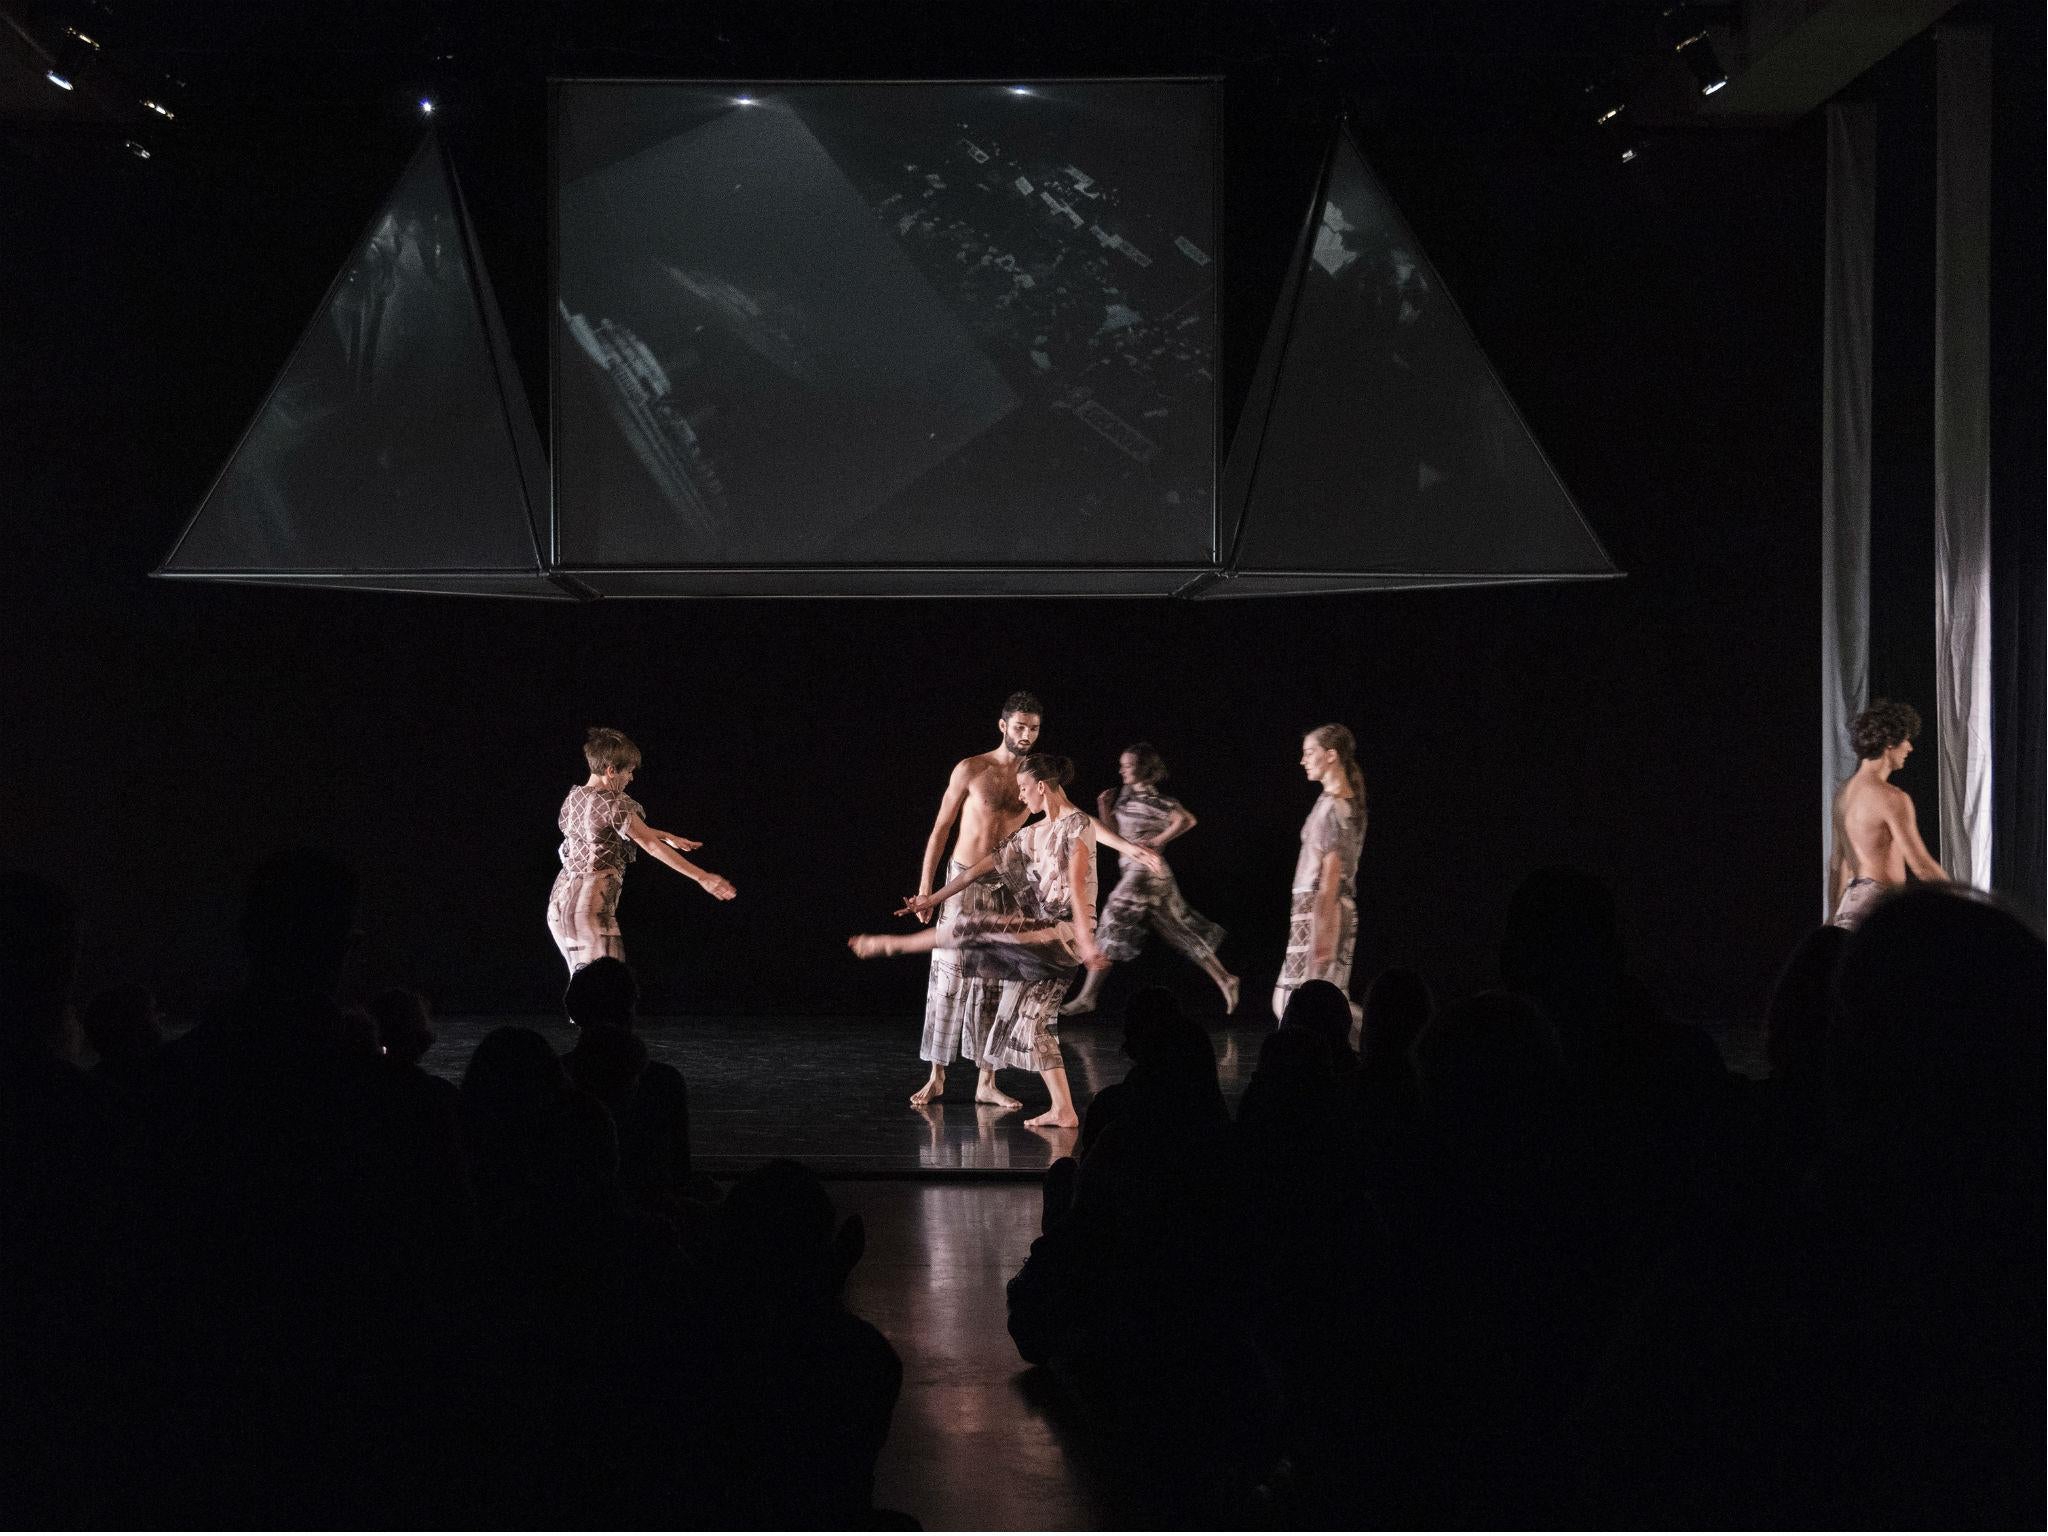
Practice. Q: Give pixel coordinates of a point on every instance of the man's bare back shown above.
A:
(1876, 837)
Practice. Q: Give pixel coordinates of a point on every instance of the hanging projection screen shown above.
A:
(923, 324)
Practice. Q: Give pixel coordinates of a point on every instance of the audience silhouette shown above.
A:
(1532, 1257)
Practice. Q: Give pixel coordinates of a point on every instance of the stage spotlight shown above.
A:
(139, 151)
(89, 42)
(1020, 90)
(160, 109)
(62, 82)
(1705, 64)
(745, 101)
(426, 106)
(1632, 151)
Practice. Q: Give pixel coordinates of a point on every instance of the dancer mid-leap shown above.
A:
(1140, 898)
(1323, 913)
(1037, 939)
(601, 826)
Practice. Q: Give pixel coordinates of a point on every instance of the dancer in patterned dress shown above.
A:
(1323, 916)
(601, 826)
(1142, 899)
(1038, 940)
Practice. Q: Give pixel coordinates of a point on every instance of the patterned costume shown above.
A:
(1862, 894)
(1337, 826)
(961, 1002)
(583, 908)
(1030, 940)
(1142, 899)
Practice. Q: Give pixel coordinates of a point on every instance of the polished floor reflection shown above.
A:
(835, 1093)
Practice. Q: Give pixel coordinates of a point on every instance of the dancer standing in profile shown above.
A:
(601, 826)
(1141, 813)
(1038, 940)
(1323, 916)
(1877, 838)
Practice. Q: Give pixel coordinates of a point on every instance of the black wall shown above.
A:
(1659, 326)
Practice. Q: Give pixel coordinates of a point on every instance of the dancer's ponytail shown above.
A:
(1338, 739)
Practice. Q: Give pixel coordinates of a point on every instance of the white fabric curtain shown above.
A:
(1845, 450)
(1962, 447)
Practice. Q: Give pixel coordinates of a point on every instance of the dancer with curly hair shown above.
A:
(1877, 838)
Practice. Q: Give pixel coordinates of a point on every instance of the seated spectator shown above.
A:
(1491, 1322)
(1397, 1007)
(648, 1099)
(295, 1185)
(816, 1385)
(1325, 1013)
(1869, 1351)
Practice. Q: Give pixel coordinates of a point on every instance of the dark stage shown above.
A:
(834, 1093)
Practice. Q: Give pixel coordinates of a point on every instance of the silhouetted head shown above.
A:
(1149, 1019)
(1935, 1055)
(1488, 1067)
(1321, 1009)
(298, 920)
(607, 1061)
(122, 1023)
(602, 992)
(39, 937)
(511, 1090)
(1397, 1007)
(1562, 947)
(402, 1024)
(778, 1234)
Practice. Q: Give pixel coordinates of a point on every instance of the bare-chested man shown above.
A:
(963, 1009)
(1877, 840)
(981, 796)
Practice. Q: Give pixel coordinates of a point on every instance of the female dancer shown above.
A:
(1323, 918)
(1048, 866)
(601, 826)
(1141, 813)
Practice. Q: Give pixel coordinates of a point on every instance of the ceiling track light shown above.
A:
(160, 109)
(1704, 62)
(138, 150)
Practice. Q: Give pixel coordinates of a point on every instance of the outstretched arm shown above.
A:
(1906, 832)
(924, 904)
(651, 843)
(677, 841)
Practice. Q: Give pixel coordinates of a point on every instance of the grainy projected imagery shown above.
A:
(916, 324)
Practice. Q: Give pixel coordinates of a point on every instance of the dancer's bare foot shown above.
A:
(1053, 1117)
(1080, 1003)
(986, 1092)
(1230, 986)
(933, 1087)
(871, 946)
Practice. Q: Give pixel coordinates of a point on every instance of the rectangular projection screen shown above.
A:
(958, 325)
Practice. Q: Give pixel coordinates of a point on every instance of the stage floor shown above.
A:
(835, 1093)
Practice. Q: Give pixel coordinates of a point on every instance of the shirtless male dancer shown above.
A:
(961, 1008)
(1877, 840)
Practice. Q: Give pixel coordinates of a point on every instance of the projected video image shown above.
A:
(913, 324)
(1391, 444)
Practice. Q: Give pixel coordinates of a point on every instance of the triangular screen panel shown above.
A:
(391, 444)
(1389, 447)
